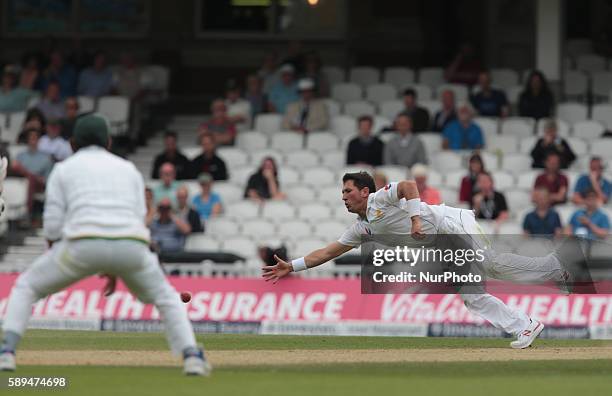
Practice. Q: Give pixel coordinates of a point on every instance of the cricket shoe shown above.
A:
(527, 336)
(196, 364)
(7, 361)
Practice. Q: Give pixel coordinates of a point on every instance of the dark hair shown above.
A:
(365, 118)
(360, 179)
(410, 91)
(35, 113)
(588, 192)
(260, 170)
(171, 134)
(552, 154)
(545, 89)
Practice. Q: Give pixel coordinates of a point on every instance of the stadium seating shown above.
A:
(117, 110)
(334, 74)
(504, 78)
(321, 142)
(253, 140)
(364, 75)
(378, 93)
(461, 91)
(391, 108)
(431, 76)
(268, 123)
(346, 92)
(517, 126)
(572, 112)
(358, 108)
(587, 129)
(399, 77)
(87, 104)
(284, 141)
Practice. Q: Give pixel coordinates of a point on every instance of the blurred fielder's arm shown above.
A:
(55, 207)
(3, 170)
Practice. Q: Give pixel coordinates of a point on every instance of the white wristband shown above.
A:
(299, 264)
(413, 207)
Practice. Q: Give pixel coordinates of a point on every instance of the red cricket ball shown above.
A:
(185, 297)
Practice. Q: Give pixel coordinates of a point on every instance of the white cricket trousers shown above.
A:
(70, 261)
(505, 266)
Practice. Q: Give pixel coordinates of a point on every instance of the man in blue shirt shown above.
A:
(59, 71)
(590, 222)
(463, 134)
(283, 92)
(543, 220)
(97, 80)
(595, 181)
(488, 101)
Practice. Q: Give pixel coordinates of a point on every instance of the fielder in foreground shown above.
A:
(94, 222)
(397, 210)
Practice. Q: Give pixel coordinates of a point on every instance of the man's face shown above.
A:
(591, 202)
(53, 130)
(409, 101)
(307, 94)
(485, 183)
(33, 140)
(170, 143)
(353, 197)
(166, 174)
(365, 128)
(53, 92)
(403, 125)
(596, 166)
(164, 208)
(181, 197)
(484, 80)
(208, 146)
(205, 187)
(464, 115)
(448, 100)
(72, 108)
(552, 163)
(218, 109)
(540, 198)
(287, 78)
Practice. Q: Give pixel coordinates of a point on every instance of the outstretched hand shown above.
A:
(417, 232)
(275, 272)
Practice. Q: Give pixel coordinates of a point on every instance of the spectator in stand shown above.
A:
(168, 186)
(553, 180)
(33, 165)
(551, 142)
(428, 194)
(469, 183)
(71, 112)
(208, 161)
(488, 101)
(172, 155)
(365, 148)
(590, 221)
(186, 212)
(30, 73)
(593, 180)
(312, 70)
(53, 144)
(268, 73)
(208, 203)
(150, 205)
(168, 230)
(97, 80)
(380, 180)
(488, 203)
(283, 92)
(35, 119)
(220, 124)
(255, 95)
(295, 56)
(12, 98)
(536, 101)
(543, 220)
(419, 115)
(465, 67)
(263, 184)
(448, 113)
(463, 133)
(405, 149)
(128, 77)
(238, 109)
(307, 114)
(59, 71)
(52, 105)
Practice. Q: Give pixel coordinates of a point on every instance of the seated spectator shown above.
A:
(590, 221)
(543, 220)
(71, 112)
(469, 183)
(553, 180)
(465, 67)
(551, 142)
(168, 230)
(463, 133)
(208, 161)
(418, 114)
(30, 73)
(284, 91)
(448, 113)
(208, 203)
(33, 165)
(488, 101)
(268, 73)
(168, 186)
(405, 149)
(263, 184)
(97, 80)
(128, 77)
(59, 71)
(238, 109)
(186, 212)
(380, 180)
(307, 114)
(488, 203)
(593, 180)
(12, 98)
(536, 101)
(254, 94)
(312, 70)
(53, 144)
(35, 119)
(365, 148)
(428, 194)
(220, 124)
(172, 155)
(51, 104)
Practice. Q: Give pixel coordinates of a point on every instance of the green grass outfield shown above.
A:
(558, 377)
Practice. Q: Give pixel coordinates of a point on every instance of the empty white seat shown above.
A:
(299, 194)
(329, 230)
(346, 92)
(575, 83)
(252, 140)
(394, 173)
(446, 160)
(423, 91)
(601, 83)
(268, 123)
(527, 144)
(294, 229)
(489, 125)
(334, 159)
(391, 108)
(453, 178)
(491, 160)
(563, 127)
(588, 129)
(314, 212)
(461, 91)
(432, 142)
(259, 228)
(517, 126)
(578, 145)
(156, 78)
(258, 156)
(399, 77)
(117, 110)
(449, 196)
(364, 75)
(331, 195)
(358, 108)
(286, 141)
(13, 129)
(432, 76)
(344, 125)
(518, 200)
(191, 151)
(510, 228)
(432, 106)
(228, 191)
(434, 178)
(278, 210)
(603, 114)
(566, 212)
(240, 175)
(380, 123)
(201, 242)
(87, 104)
(15, 149)
(240, 246)
(15, 196)
(322, 142)
(232, 156)
(333, 107)
(602, 148)
(526, 180)
(221, 227)
(590, 63)
(287, 175)
(302, 158)
(502, 180)
(379, 93)
(504, 143)
(318, 176)
(305, 246)
(575, 47)
(513, 93)
(516, 163)
(504, 78)
(334, 74)
(242, 210)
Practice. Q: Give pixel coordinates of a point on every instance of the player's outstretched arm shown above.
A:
(282, 268)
